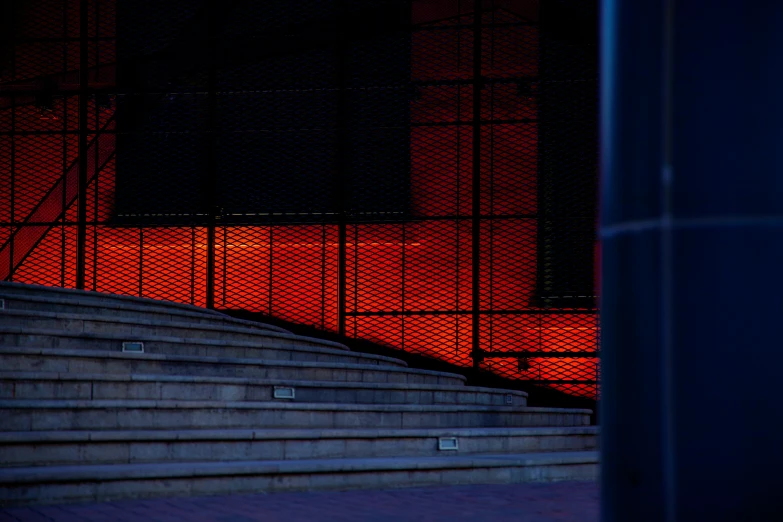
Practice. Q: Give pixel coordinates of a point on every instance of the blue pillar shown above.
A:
(692, 250)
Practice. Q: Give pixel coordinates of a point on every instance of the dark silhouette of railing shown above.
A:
(58, 199)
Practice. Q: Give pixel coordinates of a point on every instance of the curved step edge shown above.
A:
(214, 343)
(71, 353)
(154, 307)
(186, 470)
(38, 377)
(12, 437)
(247, 330)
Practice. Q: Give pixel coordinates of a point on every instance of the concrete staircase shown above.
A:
(216, 405)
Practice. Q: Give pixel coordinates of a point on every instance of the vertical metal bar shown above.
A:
(210, 297)
(141, 261)
(271, 267)
(491, 172)
(97, 175)
(64, 165)
(97, 178)
(97, 16)
(355, 275)
(95, 245)
(478, 83)
(402, 298)
(458, 224)
(193, 265)
(63, 206)
(323, 277)
(12, 33)
(13, 184)
(225, 266)
(211, 181)
(81, 231)
(342, 239)
(98, 167)
(340, 174)
(12, 45)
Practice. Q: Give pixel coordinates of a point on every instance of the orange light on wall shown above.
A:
(408, 285)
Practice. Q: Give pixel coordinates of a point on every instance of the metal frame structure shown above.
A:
(457, 278)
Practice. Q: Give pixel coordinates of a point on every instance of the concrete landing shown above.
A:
(534, 502)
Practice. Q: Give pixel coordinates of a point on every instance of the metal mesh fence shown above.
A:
(419, 173)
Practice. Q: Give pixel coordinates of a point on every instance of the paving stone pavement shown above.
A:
(552, 502)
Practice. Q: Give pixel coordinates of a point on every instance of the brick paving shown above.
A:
(554, 502)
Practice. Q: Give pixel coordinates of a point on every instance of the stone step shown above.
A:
(8, 288)
(268, 349)
(121, 306)
(37, 415)
(62, 448)
(130, 328)
(196, 413)
(49, 385)
(99, 483)
(93, 361)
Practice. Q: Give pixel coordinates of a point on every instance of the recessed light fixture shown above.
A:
(133, 347)
(284, 392)
(448, 444)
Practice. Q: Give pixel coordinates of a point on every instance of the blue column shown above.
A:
(692, 248)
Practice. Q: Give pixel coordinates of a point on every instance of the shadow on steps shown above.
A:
(538, 396)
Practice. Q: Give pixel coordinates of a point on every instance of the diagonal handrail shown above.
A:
(55, 203)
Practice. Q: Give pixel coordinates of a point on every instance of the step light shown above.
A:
(133, 347)
(448, 444)
(509, 399)
(284, 392)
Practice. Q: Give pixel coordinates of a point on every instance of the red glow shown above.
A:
(291, 272)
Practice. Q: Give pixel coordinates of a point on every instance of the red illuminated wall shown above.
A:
(291, 271)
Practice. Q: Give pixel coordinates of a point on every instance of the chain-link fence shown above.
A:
(420, 173)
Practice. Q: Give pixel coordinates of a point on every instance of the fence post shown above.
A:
(211, 178)
(478, 83)
(340, 174)
(81, 231)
